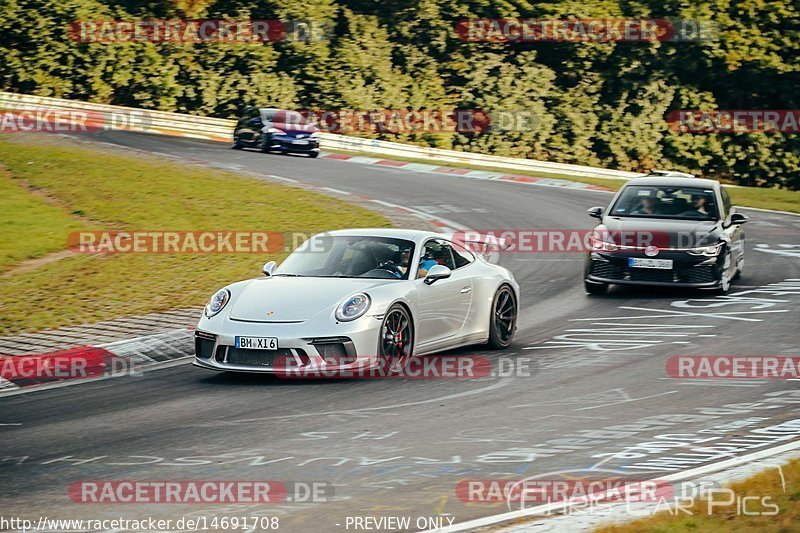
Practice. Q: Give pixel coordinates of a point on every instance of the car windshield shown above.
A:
(663, 201)
(292, 120)
(268, 114)
(349, 257)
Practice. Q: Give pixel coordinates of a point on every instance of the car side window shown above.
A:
(461, 256)
(247, 115)
(726, 201)
(439, 251)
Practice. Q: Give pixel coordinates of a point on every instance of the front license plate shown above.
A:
(662, 264)
(300, 142)
(257, 343)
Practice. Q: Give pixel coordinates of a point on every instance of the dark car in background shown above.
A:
(276, 130)
(666, 229)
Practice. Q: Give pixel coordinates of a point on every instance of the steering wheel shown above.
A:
(390, 267)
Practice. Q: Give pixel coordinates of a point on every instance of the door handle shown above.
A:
(465, 290)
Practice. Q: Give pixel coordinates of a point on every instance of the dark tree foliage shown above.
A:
(594, 103)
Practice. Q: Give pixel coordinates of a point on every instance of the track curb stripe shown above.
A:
(136, 354)
(467, 173)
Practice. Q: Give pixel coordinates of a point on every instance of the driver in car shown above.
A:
(699, 204)
(647, 206)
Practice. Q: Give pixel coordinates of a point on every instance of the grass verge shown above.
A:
(729, 518)
(51, 188)
(762, 198)
(31, 225)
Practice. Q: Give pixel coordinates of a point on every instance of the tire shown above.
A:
(739, 271)
(236, 144)
(597, 289)
(725, 284)
(739, 265)
(263, 146)
(503, 318)
(396, 338)
(313, 154)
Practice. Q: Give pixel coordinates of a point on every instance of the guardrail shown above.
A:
(217, 129)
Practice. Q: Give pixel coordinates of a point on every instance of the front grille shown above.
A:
(620, 271)
(263, 358)
(602, 269)
(651, 275)
(288, 145)
(700, 274)
(334, 351)
(204, 345)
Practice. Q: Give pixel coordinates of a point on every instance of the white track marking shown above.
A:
(628, 400)
(471, 525)
(493, 386)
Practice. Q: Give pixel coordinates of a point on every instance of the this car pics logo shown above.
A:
(270, 313)
(651, 251)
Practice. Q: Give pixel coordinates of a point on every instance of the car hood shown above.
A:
(295, 130)
(665, 233)
(286, 299)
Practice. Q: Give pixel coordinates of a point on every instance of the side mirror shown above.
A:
(269, 268)
(436, 273)
(595, 212)
(737, 219)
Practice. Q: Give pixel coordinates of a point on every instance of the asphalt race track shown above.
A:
(591, 382)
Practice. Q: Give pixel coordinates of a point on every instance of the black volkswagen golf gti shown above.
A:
(276, 130)
(666, 229)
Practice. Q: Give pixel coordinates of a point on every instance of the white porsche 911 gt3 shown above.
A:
(354, 298)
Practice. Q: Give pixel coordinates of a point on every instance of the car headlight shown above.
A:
(708, 251)
(314, 135)
(353, 307)
(599, 245)
(217, 302)
(276, 131)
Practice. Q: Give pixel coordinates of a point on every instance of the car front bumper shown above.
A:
(688, 271)
(301, 349)
(292, 144)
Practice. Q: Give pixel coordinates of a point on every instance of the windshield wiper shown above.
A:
(289, 275)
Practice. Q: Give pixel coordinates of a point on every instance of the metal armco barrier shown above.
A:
(218, 129)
